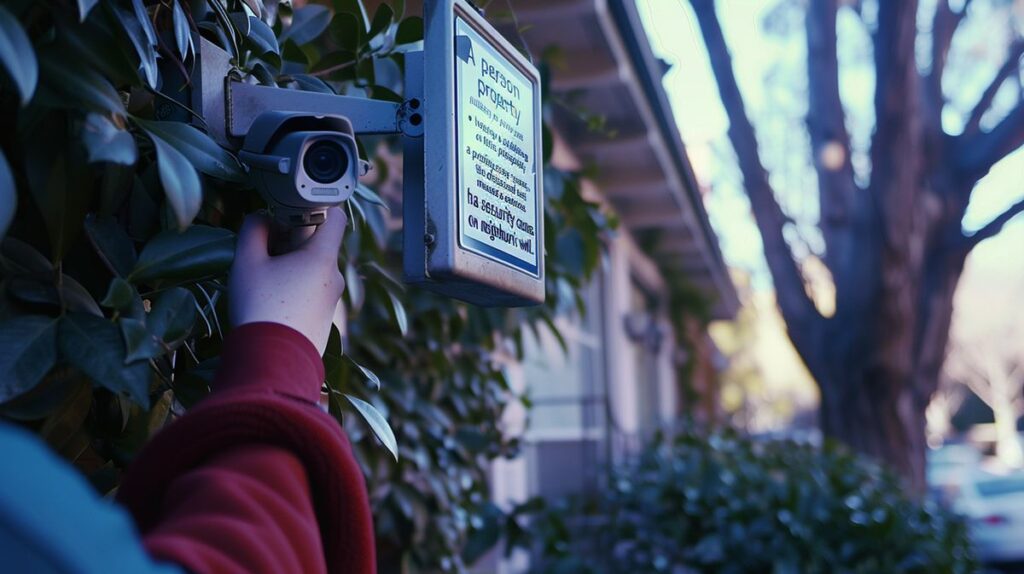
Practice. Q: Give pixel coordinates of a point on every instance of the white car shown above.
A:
(994, 508)
(949, 466)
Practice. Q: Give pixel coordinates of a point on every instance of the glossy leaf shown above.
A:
(8, 197)
(179, 180)
(94, 346)
(202, 152)
(258, 36)
(173, 315)
(347, 31)
(139, 343)
(378, 424)
(182, 31)
(84, 7)
(382, 19)
(354, 286)
(139, 28)
(198, 252)
(308, 23)
(105, 142)
(409, 30)
(371, 377)
(400, 317)
(355, 8)
(59, 189)
(17, 56)
(28, 350)
(119, 294)
(112, 244)
(75, 85)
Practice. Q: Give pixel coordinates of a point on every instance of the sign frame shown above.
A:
(448, 266)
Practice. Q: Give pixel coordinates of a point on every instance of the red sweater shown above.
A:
(255, 478)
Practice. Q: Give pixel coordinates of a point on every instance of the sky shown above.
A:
(770, 68)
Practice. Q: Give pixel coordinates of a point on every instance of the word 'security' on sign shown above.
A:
(483, 197)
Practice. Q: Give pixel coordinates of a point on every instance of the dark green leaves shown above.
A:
(140, 32)
(378, 424)
(28, 350)
(180, 181)
(94, 346)
(17, 56)
(196, 253)
(382, 19)
(258, 37)
(201, 151)
(182, 31)
(8, 197)
(410, 30)
(105, 142)
(172, 316)
(347, 31)
(111, 242)
(74, 85)
(308, 23)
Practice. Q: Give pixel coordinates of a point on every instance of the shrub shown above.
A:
(728, 504)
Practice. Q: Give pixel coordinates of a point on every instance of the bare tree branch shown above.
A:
(975, 154)
(995, 226)
(944, 27)
(796, 306)
(826, 124)
(1011, 65)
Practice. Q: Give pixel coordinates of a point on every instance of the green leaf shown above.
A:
(354, 286)
(94, 346)
(140, 32)
(84, 7)
(309, 83)
(17, 56)
(61, 188)
(400, 316)
(139, 343)
(182, 31)
(8, 197)
(112, 243)
(119, 295)
(104, 142)
(172, 316)
(378, 424)
(382, 19)
(202, 152)
(308, 23)
(73, 84)
(369, 195)
(198, 252)
(180, 181)
(347, 32)
(28, 350)
(354, 8)
(258, 36)
(410, 30)
(370, 375)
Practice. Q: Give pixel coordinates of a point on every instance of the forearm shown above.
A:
(256, 477)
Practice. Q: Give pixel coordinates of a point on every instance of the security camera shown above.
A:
(302, 164)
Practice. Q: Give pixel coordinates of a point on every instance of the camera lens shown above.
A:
(325, 161)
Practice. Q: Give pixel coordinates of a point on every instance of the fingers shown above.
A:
(327, 238)
(253, 238)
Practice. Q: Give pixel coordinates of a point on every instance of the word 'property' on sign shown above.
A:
(497, 162)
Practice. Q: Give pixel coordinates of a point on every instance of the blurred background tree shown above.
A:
(890, 243)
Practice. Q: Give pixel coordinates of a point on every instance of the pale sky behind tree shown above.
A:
(770, 67)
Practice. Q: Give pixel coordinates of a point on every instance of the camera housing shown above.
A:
(302, 164)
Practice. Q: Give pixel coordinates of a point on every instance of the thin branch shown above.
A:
(993, 227)
(796, 306)
(976, 153)
(1011, 65)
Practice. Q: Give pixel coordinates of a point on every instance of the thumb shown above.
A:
(327, 237)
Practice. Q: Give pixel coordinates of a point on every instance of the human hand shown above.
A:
(299, 289)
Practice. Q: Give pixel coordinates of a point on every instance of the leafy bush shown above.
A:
(728, 504)
(113, 269)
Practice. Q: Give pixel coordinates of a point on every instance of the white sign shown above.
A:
(496, 154)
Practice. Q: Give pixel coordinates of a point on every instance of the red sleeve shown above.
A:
(255, 478)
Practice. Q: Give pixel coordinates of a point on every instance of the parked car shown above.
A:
(994, 508)
(948, 467)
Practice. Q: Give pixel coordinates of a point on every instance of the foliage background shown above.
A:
(721, 503)
(122, 213)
